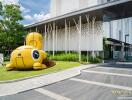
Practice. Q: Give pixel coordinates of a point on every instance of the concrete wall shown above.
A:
(88, 43)
(87, 3)
(60, 7)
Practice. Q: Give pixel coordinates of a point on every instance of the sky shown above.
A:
(32, 10)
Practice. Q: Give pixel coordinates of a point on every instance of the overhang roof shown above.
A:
(104, 12)
(118, 41)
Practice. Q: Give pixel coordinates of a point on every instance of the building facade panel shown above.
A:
(70, 41)
(60, 7)
(118, 30)
(87, 3)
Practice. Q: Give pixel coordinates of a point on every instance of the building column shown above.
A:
(53, 38)
(93, 32)
(79, 28)
(50, 37)
(36, 29)
(88, 26)
(56, 37)
(69, 31)
(122, 53)
(44, 41)
(65, 36)
(30, 30)
(80, 33)
(49, 31)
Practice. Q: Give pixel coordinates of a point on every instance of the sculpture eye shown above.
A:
(35, 54)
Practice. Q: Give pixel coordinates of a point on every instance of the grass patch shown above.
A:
(60, 65)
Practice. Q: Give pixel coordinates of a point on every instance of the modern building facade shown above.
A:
(60, 7)
(80, 25)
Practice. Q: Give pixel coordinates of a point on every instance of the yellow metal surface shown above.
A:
(19, 61)
(34, 39)
(29, 56)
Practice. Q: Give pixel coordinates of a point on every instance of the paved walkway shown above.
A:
(32, 83)
(101, 82)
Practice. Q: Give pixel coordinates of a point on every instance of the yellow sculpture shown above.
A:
(30, 56)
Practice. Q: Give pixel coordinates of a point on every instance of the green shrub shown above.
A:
(94, 60)
(84, 58)
(65, 57)
(100, 57)
(74, 57)
(7, 58)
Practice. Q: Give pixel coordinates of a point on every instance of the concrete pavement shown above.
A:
(24, 85)
(101, 82)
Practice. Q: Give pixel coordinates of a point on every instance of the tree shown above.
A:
(11, 31)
